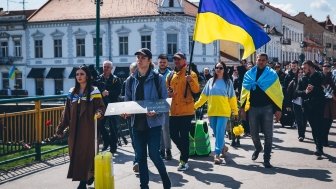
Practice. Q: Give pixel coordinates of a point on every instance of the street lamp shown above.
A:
(98, 4)
(266, 28)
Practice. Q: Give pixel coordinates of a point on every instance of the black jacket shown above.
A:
(112, 85)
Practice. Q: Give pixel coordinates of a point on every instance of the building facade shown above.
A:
(13, 25)
(61, 36)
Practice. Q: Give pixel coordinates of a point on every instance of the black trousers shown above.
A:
(314, 115)
(179, 127)
(110, 137)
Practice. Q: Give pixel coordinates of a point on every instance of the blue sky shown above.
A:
(319, 9)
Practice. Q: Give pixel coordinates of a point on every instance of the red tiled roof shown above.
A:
(58, 10)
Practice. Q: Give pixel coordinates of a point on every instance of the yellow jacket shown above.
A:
(180, 105)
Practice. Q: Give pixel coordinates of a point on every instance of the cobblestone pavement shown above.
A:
(295, 166)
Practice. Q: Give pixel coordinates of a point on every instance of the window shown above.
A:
(203, 49)
(4, 48)
(123, 45)
(171, 3)
(80, 47)
(100, 47)
(57, 48)
(146, 41)
(38, 49)
(58, 86)
(17, 48)
(190, 43)
(18, 80)
(171, 44)
(5, 80)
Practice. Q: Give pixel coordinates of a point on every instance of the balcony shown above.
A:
(9, 60)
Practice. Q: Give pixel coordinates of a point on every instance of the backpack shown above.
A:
(156, 82)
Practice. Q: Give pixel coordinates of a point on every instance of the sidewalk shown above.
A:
(294, 167)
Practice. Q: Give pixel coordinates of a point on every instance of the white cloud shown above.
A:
(288, 8)
(322, 5)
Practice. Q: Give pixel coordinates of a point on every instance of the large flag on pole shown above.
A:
(222, 19)
(11, 73)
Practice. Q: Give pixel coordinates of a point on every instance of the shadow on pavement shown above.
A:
(121, 158)
(293, 149)
(318, 174)
(208, 178)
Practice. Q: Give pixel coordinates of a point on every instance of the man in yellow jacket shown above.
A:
(181, 86)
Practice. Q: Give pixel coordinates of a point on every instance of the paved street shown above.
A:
(294, 167)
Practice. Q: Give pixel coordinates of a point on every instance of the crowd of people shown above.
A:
(255, 95)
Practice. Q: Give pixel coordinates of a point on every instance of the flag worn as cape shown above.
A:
(222, 19)
(268, 82)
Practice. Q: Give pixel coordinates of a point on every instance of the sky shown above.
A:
(319, 9)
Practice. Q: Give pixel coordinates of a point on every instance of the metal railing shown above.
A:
(23, 130)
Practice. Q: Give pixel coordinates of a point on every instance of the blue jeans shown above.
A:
(149, 138)
(262, 118)
(218, 125)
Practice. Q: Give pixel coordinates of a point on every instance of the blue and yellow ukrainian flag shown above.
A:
(222, 19)
(268, 82)
(11, 73)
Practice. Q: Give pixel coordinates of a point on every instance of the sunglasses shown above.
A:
(219, 68)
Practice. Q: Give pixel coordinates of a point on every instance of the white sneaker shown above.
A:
(183, 166)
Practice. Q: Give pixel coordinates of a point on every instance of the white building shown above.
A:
(285, 48)
(12, 50)
(61, 35)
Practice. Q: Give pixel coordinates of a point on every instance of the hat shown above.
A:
(326, 65)
(145, 52)
(179, 55)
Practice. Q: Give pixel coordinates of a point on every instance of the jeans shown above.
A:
(150, 139)
(300, 120)
(179, 132)
(165, 135)
(262, 117)
(218, 125)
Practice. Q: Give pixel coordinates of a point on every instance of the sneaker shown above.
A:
(169, 155)
(301, 139)
(136, 167)
(183, 166)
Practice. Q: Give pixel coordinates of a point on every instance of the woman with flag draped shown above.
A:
(262, 95)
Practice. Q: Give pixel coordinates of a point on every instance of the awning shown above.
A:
(56, 73)
(73, 72)
(36, 73)
(121, 72)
